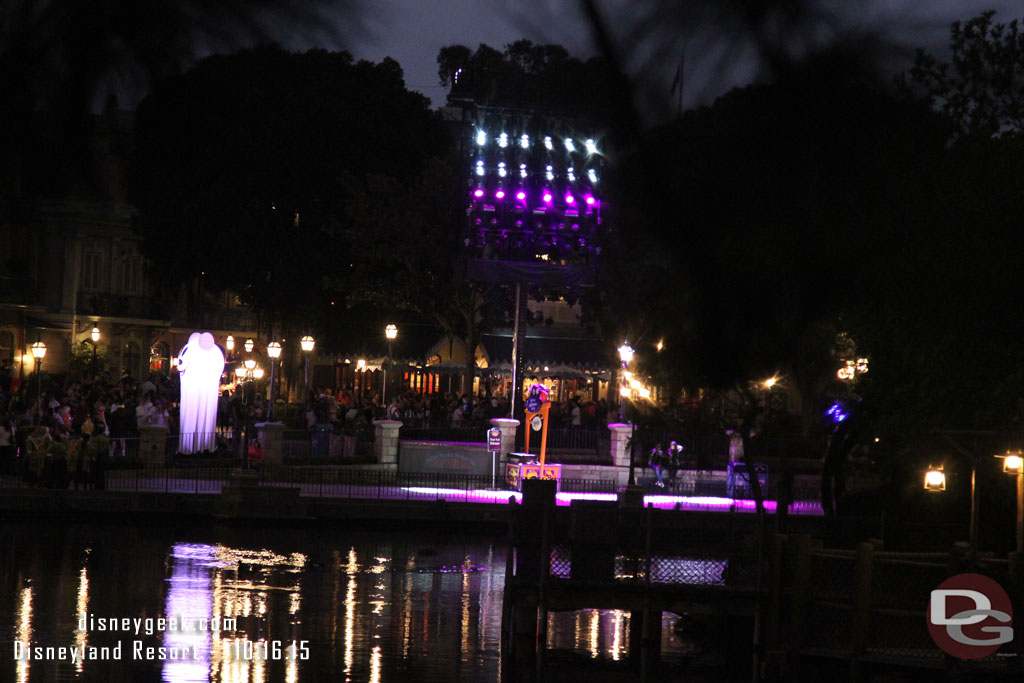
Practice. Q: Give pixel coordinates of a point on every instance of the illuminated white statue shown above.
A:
(200, 365)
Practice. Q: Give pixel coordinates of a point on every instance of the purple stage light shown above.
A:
(590, 200)
(547, 198)
(478, 193)
(500, 194)
(521, 196)
(569, 199)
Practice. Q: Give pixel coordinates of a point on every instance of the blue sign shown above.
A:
(494, 439)
(533, 404)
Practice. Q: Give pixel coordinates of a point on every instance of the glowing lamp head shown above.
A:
(481, 138)
(589, 199)
(257, 373)
(249, 343)
(626, 353)
(625, 392)
(249, 364)
(500, 194)
(935, 480)
(230, 343)
(274, 349)
(1013, 464)
(521, 196)
(240, 372)
(361, 363)
(95, 334)
(39, 350)
(478, 193)
(770, 382)
(306, 343)
(569, 199)
(391, 331)
(547, 197)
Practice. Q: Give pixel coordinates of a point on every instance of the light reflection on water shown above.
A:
(369, 606)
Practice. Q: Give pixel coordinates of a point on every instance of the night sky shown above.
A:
(412, 32)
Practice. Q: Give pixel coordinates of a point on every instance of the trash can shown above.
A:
(321, 441)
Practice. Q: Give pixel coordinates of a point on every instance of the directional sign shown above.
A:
(494, 439)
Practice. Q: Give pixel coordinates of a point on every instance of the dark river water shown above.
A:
(248, 605)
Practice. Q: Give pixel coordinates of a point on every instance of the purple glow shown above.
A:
(500, 194)
(547, 197)
(569, 199)
(521, 196)
(200, 365)
(476, 495)
(590, 200)
(478, 193)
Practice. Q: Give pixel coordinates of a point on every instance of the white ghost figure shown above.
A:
(200, 364)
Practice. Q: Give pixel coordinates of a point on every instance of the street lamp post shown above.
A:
(94, 335)
(306, 344)
(38, 353)
(391, 332)
(626, 357)
(273, 352)
(246, 374)
(1013, 463)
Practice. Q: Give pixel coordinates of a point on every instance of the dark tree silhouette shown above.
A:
(61, 60)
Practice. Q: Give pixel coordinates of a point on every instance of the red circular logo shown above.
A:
(970, 616)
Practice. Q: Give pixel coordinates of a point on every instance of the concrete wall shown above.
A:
(444, 457)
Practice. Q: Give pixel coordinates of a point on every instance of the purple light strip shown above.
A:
(564, 499)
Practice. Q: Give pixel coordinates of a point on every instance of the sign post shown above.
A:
(494, 447)
(537, 408)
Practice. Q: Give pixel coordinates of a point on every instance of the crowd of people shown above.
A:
(50, 432)
(438, 410)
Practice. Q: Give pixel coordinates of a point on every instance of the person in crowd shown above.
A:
(7, 442)
(675, 461)
(144, 411)
(255, 455)
(656, 461)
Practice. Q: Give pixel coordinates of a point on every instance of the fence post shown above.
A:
(774, 630)
(861, 606)
(799, 591)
